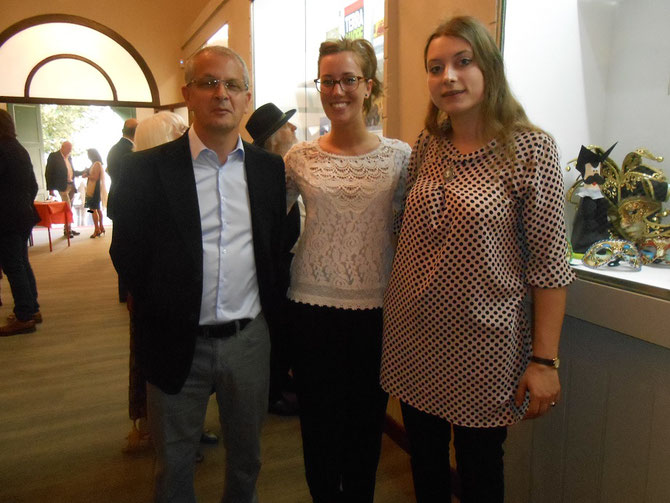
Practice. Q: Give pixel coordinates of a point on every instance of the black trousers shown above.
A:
(342, 405)
(15, 264)
(479, 459)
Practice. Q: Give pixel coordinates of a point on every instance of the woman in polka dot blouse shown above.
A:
(482, 225)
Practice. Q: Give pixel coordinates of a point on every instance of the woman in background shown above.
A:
(95, 176)
(483, 224)
(350, 180)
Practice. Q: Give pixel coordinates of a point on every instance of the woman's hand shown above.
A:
(544, 387)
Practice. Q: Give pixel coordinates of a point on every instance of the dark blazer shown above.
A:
(56, 171)
(157, 250)
(114, 166)
(18, 188)
(119, 149)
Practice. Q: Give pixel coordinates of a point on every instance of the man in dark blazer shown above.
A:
(114, 166)
(199, 240)
(18, 189)
(120, 149)
(60, 175)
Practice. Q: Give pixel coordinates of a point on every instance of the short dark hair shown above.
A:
(7, 129)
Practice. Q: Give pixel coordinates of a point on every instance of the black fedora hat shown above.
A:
(265, 120)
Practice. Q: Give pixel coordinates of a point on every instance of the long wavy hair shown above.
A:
(502, 115)
(365, 57)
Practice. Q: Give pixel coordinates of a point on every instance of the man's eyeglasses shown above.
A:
(209, 84)
(347, 84)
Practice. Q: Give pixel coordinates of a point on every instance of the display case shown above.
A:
(595, 72)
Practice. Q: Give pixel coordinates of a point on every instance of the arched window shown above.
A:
(69, 59)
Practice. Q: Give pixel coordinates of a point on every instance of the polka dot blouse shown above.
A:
(477, 231)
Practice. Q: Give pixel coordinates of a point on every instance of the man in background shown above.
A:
(60, 175)
(114, 167)
(270, 129)
(121, 148)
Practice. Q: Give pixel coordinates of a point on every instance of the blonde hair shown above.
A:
(158, 129)
(502, 114)
(365, 57)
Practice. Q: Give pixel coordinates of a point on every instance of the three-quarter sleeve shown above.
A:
(543, 218)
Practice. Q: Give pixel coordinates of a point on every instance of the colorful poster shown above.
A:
(353, 20)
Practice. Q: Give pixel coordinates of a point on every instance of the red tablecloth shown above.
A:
(53, 212)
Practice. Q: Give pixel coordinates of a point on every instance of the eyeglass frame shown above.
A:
(214, 84)
(319, 84)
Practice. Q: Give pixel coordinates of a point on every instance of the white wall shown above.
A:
(638, 91)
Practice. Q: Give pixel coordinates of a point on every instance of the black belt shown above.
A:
(224, 329)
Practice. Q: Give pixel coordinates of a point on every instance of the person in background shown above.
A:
(96, 176)
(482, 225)
(351, 181)
(121, 148)
(270, 129)
(205, 302)
(18, 188)
(60, 176)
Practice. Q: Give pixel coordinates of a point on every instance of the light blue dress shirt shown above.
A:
(230, 286)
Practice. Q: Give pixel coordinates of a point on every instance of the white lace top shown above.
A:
(344, 255)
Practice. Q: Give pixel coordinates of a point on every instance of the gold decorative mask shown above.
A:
(611, 253)
(656, 251)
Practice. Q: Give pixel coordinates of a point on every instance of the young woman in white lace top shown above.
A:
(351, 182)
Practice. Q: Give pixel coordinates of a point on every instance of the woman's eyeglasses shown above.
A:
(347, 84)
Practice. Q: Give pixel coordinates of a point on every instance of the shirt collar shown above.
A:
(197, 146)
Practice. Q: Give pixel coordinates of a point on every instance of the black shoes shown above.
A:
(283, 407)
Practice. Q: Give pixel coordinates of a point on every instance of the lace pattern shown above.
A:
(344, 256)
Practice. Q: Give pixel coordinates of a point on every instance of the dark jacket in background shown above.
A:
(18, 189)
(122, 147)
(114, 167)
(56, 171)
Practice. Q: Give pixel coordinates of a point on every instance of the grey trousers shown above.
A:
(237, 368)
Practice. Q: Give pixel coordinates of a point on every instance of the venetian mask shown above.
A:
(612, 253)
(655, 251)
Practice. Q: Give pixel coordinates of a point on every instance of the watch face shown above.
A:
(557, 363)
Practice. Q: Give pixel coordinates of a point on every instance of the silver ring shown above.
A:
(553, 404)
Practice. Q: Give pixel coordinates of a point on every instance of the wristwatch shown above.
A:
(549, 362)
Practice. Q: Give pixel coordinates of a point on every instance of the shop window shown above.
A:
(286, 39)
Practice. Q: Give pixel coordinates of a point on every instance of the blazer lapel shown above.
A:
(178, 181)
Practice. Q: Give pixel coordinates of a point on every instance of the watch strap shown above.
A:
(549, 362)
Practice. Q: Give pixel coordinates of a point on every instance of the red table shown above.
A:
(53, 212)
